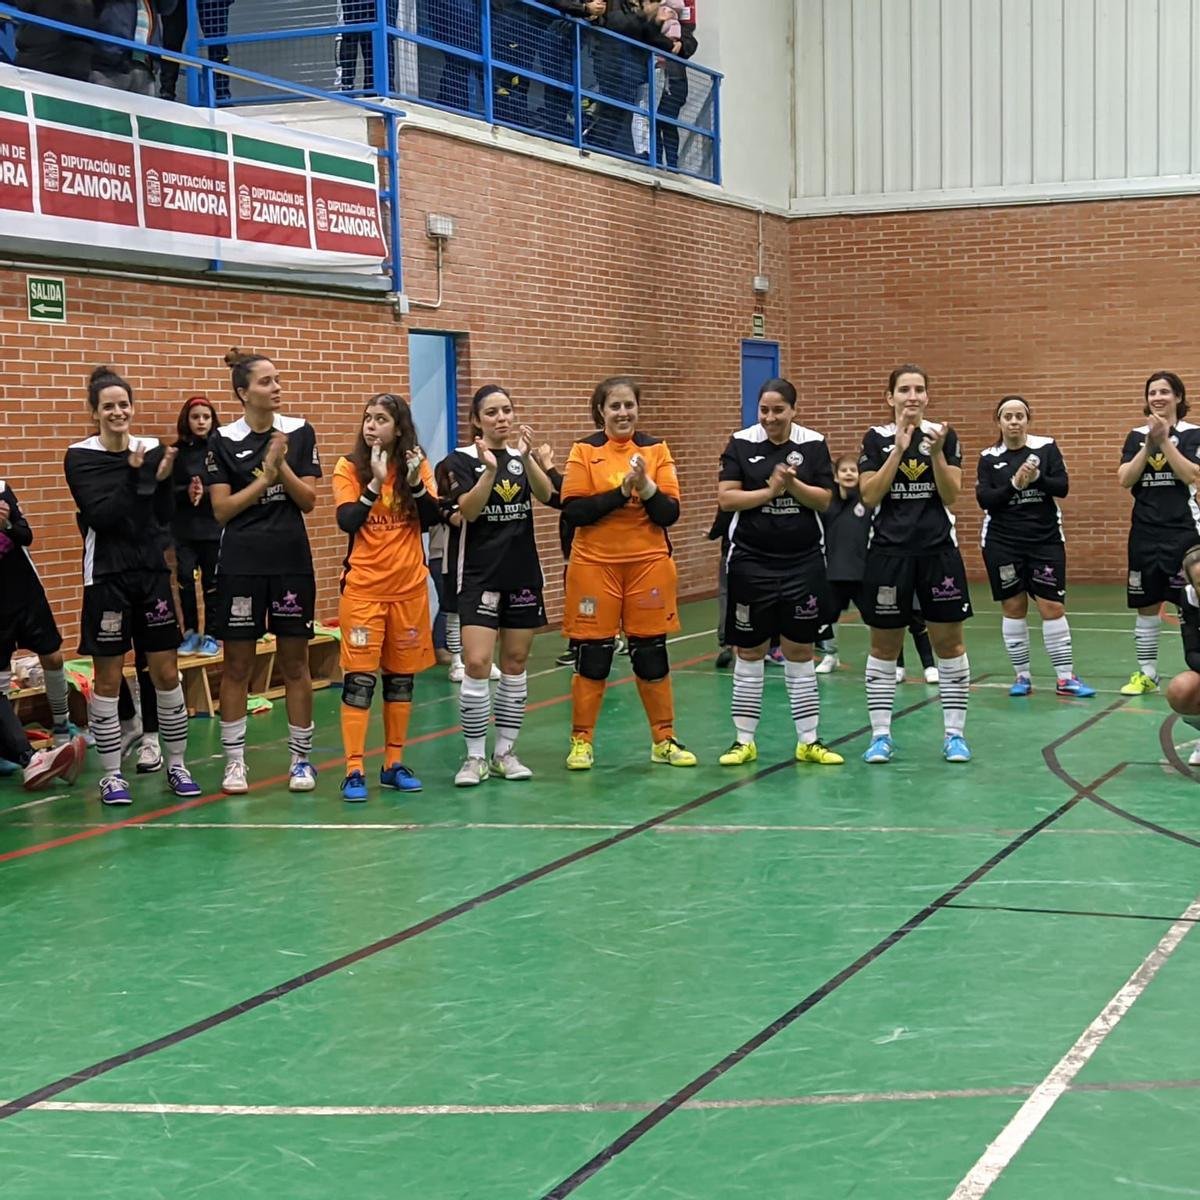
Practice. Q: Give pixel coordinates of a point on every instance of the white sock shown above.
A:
(746, 705)
(454, 636)
(474, 712)
(1016, 642)
(173, 722)
(1145, 639)
(233, 740)
(511, 693)
(56, 694)
(300, 738)
(954, 684)
(881, 694)
(106, 729)
(800, 679)
(1056, 637)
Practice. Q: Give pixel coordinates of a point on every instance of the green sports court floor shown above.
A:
(907, 982)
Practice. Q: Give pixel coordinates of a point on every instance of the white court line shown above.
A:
(33, 803)
(978, 1181)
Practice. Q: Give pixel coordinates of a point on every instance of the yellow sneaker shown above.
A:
(670, 751)
(817, 752)
(738, 753)
(581, 756)
(1139, 683)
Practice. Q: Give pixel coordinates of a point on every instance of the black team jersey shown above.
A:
(17, 573)
(1161, 500)
(847, 530)
(497, 550)
(911, 518)
(774, 535)
(269, 537)
(1029, 517)
(121, 511)
(1189, 626)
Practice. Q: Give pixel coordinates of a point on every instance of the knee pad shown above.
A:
(397, 689)
(593, 660)
(648, 656)
(357, 689)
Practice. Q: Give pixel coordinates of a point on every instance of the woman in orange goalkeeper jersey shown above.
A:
(621, 494)
(385, 498)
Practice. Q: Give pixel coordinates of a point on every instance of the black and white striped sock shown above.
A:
(801, 681)
(1145, 638)
(954, 683)
(881, 694)
(106, 729)
(173, 724)
(474, 711)
(454, 634)
(1056, 637)
(511, 694)
(233, 740)
(746, 705)
(1016, 642)
(300, 742)
(56, 694)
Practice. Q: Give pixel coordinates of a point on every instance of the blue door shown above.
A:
(433, 391)
(760, 362)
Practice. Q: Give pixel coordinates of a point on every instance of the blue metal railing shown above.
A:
(203, 90)
(516, 63)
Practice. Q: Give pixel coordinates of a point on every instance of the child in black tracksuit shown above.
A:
(847, 524)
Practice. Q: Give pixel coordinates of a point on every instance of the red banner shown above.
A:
(186, 193)
(86, 177)
(272, 206)
(347, 218)
(16, 167)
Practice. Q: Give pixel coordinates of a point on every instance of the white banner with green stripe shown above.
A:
(88, 165)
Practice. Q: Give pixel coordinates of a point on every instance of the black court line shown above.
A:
(639, 1130)
(1077, 912)
(50, 1090)
(1166, 739)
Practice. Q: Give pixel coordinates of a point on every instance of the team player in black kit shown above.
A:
(497, 578)
(911, 474)
(1020, 480)
(775, 478)
(1183, 692)
(261, 471)
(123, 493)
(1158, 464)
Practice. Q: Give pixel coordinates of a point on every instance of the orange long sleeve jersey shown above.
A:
(610, 527)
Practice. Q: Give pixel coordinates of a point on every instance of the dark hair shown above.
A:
(488, 389)
(1005, 400)
(782, 387)
(906, 369)
(406, 440)
(845, 458)
(101, 378)
(182, 427)
(1175, 384)
(1190, 559)
(605, 388)
(239, 364)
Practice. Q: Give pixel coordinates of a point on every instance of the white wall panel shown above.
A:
(986, 128)
(897, 82)
(1175, 66)
(1016, 91)
(957, 105)
(868, 64)
(1047, 111)
(1141, 83)
(925, 53)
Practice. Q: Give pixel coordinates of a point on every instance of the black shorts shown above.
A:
(897, 587)
(844, 592)
(123, 611)
(1037, 570)
(496, 608)
(761, 608)
(250, 605)
(448, 597)
(1156, 566)
(28, 624)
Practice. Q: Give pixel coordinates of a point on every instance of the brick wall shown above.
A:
(1070, 305)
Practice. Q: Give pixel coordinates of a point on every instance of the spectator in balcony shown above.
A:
(556, 60)
(42, 49)
(443, 76)
(675, 92)
(136, 21)
(214, 23)
(513, 44)
(348, 47)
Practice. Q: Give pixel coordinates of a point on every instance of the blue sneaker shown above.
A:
(7, 768)
(209, 646)
(354, 786)
(880, 750)
(955, 748)
(180, 781)
(1022, 687)
(399, 777)
(190, 643)
(114, 790)
(1074, 687)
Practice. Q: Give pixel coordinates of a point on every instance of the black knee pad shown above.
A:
(397, 689)
(357, 689)
(593, 660)
(648, 657)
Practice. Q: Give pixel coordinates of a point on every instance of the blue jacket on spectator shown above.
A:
(119, 18)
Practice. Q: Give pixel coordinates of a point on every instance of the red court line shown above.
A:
(199, 801)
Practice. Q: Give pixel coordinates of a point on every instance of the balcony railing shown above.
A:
(515, 63)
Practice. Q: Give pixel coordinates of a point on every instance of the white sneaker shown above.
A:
(47, 765)
(509, 766)
(455, 671)
(901, 675)
(495, 672)
(131, 734)
(472, 773)
(235, 780)
(931, 675)
(828, 664)
(149, 758)
(1194, 757)
(303, 777)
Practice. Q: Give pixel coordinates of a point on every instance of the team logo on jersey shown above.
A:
(1008, 573)
(241, 606)
(243, 454)
(1135, 581)
(925, 447)
(859, 511)
(741, 616)
(360, 637)
(756, 458)
(489, 602)
(913, 469)
(1157, 461)
(885, 599)
(507, 491)
(795, 458)
(616, 479)
(587, 606)
(110, 622)
(516, 466)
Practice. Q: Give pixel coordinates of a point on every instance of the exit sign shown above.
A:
(758, 325)
(47, 298)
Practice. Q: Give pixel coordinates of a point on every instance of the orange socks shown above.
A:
(354, 735)
(395, 730)
(659, 702)
(587, 695)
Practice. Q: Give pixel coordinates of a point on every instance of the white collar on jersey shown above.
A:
(1178, 427)
(135, 443)
(1190, 594)
(888, 430)
(1032, 442)
(799, 434)
(239, 430)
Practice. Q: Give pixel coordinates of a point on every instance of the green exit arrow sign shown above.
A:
(47, 298)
